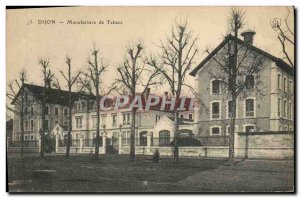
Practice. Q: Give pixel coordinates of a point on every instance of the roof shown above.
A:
(279, 62)
(111, 102)
(55, 96)
(181, 121)
(64, 127)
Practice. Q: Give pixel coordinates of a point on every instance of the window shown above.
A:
(103, 120)
(284, 84)
(215, 110)
(279, 81)
(279, 107)
(31, 125)
(46, 110)
(26, 124)
(290, 111)
(279, 128)
(78, 122)
(31, 137)
(25, 137)
(216, 130)
(229, 129)
(46, 125)
(291, 87)
(78, 106)
(249, 107)
(285, 128)
(215, 86)
(143, 138)
(164, 138)
(190, 116)
(291, 128)
(94, 122)
(31, 111)
(126, 118)
(229, 109)
(56, 111)
(66, 112)
(126, 137)
(157, 118)
(114, 120)
(56, 122)
(249, 128)
(181, 116)
(284, 109)
(249, 82)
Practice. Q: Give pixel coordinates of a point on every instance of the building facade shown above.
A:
(267, 106)
(56, 111)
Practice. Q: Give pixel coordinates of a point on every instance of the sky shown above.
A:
(27, 41)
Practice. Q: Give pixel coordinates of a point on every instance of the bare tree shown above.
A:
(70, 80)
(92, 83)
(47, 78)
(238, 69)
(177, 56)
(21, 102)
(135, 73)
(285, 36)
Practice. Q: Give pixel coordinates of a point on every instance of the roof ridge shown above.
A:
(279, 62)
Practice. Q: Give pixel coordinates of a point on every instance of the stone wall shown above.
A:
(78, 150)
(275, 145)
(196, 151)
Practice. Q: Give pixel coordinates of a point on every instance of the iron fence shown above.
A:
(27, 143)
(163, 141)
(64, 143)
(166, 141)
(214, 140)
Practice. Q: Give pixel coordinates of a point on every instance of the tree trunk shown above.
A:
(22, 122)
(132, 136)
(22, 132)
(176, 129)
(232, 132)
(97, 125)
(42, 130)
(233, 96)
(70, 114)
(69, 126)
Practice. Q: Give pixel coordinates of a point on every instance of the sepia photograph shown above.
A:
(150, 99)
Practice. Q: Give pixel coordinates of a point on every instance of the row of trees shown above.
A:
(137, 72)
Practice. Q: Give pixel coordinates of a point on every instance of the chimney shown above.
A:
(248, 36)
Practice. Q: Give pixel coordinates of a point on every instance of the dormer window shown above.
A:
(249, 82)
(215, 84)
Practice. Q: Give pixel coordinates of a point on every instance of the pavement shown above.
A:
(246, 176)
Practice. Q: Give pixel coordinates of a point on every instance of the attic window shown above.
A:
(249, 82)
(215, 86)
(46, 110)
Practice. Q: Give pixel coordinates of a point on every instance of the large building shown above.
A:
(154, 122)
(56, 111)
(271, 110)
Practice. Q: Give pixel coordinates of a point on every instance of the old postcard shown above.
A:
(150, 99)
